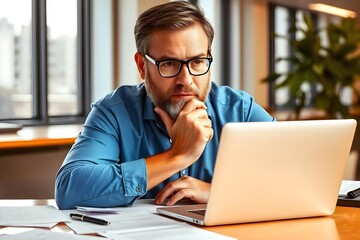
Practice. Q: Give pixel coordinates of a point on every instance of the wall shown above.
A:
(254, 48)
(30, 173)
(102, 49)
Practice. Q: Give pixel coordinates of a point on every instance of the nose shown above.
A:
(184, 77)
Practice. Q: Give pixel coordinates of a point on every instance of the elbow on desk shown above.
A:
(66, 200)
(62, 204)
(62, 197)
(69, 188)
(71, 192)
(67, 193)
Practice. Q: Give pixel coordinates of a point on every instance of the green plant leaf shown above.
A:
(329, 67)
(272, 77)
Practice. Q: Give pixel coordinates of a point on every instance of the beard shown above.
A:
(173, 108)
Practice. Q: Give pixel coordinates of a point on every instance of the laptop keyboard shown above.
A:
(200, 212)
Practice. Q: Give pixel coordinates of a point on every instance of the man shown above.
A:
(158, 139)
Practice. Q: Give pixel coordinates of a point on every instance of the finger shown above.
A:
(165, 193)
(184, 193)
(210, 134)
(205, 126)
(200, 113)
(205, 121)
(198, 116)
(194, 104)
(171, 188)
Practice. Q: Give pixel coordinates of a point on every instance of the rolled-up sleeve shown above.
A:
(134, 178)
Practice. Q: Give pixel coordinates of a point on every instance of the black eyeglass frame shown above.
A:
(186, 63)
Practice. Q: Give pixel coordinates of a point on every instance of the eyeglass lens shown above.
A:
(198, 66)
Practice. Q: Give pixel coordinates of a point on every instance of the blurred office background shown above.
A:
(58, 56)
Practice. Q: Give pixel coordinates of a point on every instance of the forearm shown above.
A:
(162, 166)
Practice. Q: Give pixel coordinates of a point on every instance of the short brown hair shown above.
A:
(169, 16)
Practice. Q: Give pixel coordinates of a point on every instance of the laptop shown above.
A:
(274, 170)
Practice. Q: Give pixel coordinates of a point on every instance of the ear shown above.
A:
(139, 59)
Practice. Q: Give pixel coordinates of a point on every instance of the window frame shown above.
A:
(39, 67)
(272, 60)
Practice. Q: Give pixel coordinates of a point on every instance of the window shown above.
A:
(282, 19)
(44, 49)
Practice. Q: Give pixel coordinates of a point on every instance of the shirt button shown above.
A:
(138, 188)
(183, 172)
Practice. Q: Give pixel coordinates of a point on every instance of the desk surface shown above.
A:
(344, 224)
(40, 136)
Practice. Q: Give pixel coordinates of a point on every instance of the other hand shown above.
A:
(185, 187)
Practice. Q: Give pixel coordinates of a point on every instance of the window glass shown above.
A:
(282, 47)
(62, 57)
(15, 59)
(305, 87)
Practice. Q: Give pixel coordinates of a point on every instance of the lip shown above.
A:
(183, 95)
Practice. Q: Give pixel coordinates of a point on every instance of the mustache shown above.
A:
(185, 89)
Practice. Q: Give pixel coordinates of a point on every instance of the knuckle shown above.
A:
(182, 192)
(185, 178)
(171, 185)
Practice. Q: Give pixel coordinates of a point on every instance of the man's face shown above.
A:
(171, 94)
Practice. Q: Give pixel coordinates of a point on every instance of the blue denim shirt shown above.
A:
(106, 165)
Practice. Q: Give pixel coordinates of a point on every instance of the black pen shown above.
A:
(354, 193)
(84, 218)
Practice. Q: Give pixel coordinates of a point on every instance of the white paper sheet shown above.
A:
(127, 223)
(348, 185)
(179, 231)
(31, 216)
(125, 216)
(39, 234)
(137, 221)
(97, 210)
(141, 222)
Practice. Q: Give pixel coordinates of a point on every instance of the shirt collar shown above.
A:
(149, 113)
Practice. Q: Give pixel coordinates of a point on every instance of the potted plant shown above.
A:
(330, 68)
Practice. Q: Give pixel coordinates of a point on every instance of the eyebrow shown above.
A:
(201, 55)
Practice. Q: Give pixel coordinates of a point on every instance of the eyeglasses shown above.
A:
(171, 67)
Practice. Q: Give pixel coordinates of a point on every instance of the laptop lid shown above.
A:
(275, 170)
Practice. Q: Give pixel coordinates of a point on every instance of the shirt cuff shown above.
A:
(134, 177)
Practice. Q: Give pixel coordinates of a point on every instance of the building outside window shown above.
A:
(41, 60)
